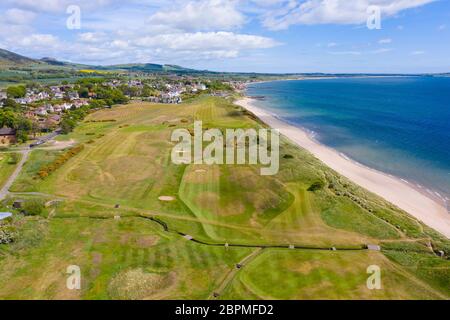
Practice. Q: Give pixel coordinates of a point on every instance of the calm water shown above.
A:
(397, 125)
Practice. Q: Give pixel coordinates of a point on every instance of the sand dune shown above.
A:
(393, 189)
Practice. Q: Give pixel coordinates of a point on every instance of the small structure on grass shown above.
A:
(188, 237)
(4, 215)
(7, 136)
(373, 247)
(18, 204)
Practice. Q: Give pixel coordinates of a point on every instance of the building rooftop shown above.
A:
(7, 131)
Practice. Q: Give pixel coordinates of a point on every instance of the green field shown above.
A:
(8, 163)
(125, 168)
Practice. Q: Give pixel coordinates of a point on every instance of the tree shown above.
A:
(7, 119)
(11, 104)
(23, 127)
(83, 92)
(16, 92)
(67, 125)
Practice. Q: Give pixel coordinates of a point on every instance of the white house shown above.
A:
(59, 95)
(41, 111)
(49, 108)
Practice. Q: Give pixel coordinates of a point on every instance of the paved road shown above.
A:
(47, 137)
(5, 189)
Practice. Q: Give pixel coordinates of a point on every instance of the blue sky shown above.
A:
(235, 35)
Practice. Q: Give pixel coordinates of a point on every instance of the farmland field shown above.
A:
(124, 213)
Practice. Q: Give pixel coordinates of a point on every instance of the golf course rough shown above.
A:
(125, 170)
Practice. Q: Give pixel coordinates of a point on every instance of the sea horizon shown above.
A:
(315, 117)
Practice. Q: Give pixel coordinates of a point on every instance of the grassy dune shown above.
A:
(125, 168)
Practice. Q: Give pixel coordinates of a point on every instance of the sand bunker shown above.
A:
(200, 171)
(58, 145)
(166, 198)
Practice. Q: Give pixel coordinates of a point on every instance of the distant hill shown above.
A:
(145, 67)
(11, 58)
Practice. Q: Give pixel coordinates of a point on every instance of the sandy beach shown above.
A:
(394, 190)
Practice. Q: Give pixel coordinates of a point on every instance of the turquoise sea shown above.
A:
(398, 125)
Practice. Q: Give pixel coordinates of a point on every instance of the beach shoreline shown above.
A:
(397, 191)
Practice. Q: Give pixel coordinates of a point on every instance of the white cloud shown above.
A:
(352, 53)
(59, 5)
(332, 44)
(205, 15)
(18, 16)
(190, 31)
(207, 41)
(309, 12)
(92, 37)
(385, 41)
(38, 40)
(442, 27)
(417, 53)
(382, 50)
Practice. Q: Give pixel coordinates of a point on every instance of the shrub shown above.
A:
(13, 159)
(33, 207)
(46, 170)
(318, 185)
(7, 235)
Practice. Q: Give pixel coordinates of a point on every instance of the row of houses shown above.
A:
(165, 98)
(58, 108)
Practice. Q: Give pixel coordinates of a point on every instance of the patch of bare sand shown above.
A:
(58, 145)
(166, 198)
(392, 189)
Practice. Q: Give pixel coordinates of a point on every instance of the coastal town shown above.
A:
(30, 110)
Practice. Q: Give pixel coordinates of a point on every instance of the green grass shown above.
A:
(127, 162)
(8, 163)
(284, 274)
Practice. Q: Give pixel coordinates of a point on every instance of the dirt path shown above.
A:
(4, 191)
(232, 274)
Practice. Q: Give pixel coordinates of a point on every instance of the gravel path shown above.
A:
(5, 189)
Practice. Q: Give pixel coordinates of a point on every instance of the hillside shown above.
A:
(11, 58)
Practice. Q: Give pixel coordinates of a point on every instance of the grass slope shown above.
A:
(126, 162)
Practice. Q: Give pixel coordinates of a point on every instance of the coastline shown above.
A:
(393, 189)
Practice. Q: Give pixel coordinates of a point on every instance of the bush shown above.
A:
(318, 185)
(13, 159)
(45, 171)
(7, 235)
(33, 207)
